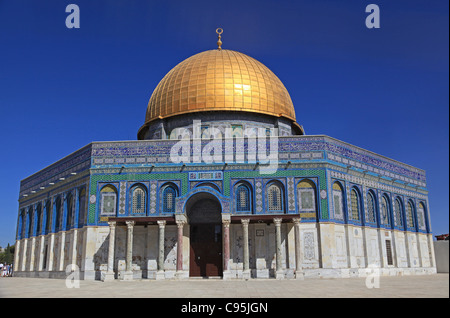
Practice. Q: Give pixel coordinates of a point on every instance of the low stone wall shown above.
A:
(441, 249)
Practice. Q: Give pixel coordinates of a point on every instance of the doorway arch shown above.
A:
(204, 214)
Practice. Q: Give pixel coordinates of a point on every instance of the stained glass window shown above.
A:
(385, 214)
(274, 198)
(409, 214)
(370, 208)
(421, 216)
(242, 199)
(354, 199)
(398, 213)
(138, 202)
(169, 195)
(338, 200)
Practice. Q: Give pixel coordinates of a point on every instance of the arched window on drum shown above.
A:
(306, 193)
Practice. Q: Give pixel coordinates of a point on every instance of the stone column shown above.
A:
(180, 226)
(128, 275)
(226, 248)
(17, 256)
(41, 253)
(62, 243)
(298, 260)
(279, 270)
(112, 237)
(42, 237)
(246, 272)
(51, 252)
(160, 272)
(24, 254)
(32, 259)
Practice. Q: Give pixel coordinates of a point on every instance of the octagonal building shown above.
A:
(223, 182)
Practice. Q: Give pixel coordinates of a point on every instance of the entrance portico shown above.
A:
(207, 243)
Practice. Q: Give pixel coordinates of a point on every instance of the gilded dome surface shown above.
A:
(219, 80)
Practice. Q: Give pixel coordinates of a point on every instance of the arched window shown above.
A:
(410, 214)
(370, 211)
(274, 196)
(58, 211)
(70, 201)
(23, 223)
(421, 216)
(39, 219)
(30, 222)
(138, 201)
(306, 192)
(48, 220)
(385, 211)
(108, 201)
(169, 195)
(243, 199)
(338, 201)
(398, 220)
(355, 205)
(82, 207)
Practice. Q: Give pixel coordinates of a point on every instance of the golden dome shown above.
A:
(219, 80)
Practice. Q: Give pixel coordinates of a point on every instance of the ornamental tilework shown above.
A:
(291, 194)
(122, 197)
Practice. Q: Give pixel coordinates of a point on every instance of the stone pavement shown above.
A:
(389, 287)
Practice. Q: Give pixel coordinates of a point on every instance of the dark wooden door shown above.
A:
(206, 250)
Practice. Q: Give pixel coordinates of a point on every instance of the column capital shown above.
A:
(245, 221)
(112, 223)
(277, 221)
(161, 223)
(296, 221)
(130, 224)
(226, 223)
(180, 223)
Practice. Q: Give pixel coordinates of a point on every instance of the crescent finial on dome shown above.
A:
(219, 31)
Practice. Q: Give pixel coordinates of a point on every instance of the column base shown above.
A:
(179, 275)
(127, 275)
(160, 275)
(279, 275)
(226, 275)
(299, 275)
(109, 276)
(246, 274)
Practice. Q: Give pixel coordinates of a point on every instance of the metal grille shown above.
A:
(355, 205)
(242, 199)
(169, 195)
(370, 208)
(389, 252)
(274, 198)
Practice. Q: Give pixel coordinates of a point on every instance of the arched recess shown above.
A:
(108, 200)
(204, 215)
(307, 198)
(338, 201)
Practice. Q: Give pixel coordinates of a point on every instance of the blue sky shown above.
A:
(385, 90)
